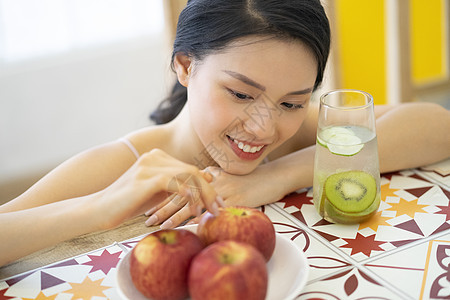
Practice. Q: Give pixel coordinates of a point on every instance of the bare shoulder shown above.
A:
(428, 109)
(380, 110)
(149, 138)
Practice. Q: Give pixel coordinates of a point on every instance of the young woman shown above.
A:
(246, 132)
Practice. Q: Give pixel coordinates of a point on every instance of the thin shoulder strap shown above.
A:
(130, 146)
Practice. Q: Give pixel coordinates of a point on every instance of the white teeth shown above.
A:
(247, 148)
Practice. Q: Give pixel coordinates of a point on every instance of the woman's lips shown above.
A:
(245, 150)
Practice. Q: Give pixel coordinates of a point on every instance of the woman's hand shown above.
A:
(156, 176)
(252, 190)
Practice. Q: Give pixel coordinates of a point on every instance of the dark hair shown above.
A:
(207, 26)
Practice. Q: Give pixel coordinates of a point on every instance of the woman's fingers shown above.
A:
(196, 187)
(187, 189)
(159, 205)
(177, 219)
(208, 197)
(171, 207)
(190, 185)
(178, 208)
(195, 220)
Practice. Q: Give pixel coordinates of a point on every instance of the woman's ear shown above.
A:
(183, 65)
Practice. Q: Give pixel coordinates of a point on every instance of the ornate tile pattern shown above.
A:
(403, 252)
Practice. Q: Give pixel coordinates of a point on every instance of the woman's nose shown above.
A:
(261, 124)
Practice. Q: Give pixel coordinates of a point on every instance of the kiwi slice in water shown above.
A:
(351, 191)
(337, 216)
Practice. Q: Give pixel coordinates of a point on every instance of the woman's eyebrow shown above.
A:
(245, 80)
(301, 92)
(253, 83)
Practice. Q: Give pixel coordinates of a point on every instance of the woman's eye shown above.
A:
(240, 96)
(291, 106)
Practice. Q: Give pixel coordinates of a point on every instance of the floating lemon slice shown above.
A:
(326, 134)
(340, 141)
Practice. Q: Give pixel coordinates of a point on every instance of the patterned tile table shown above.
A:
(403, 252)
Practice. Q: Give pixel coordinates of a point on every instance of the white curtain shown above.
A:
(33, 28)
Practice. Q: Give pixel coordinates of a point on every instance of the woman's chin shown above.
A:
(239, 168)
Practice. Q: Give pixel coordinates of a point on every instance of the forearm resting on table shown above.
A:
(26, 231)
(413, 135)
(291, 172)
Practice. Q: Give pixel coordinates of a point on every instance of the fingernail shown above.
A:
(149, 212)
(208, 176)
(220, 201)
(167, 224)
(152, 220)
(214, 208)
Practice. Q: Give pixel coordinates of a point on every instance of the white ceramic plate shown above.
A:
(288, 271)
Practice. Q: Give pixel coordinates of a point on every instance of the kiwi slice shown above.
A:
(350, 191)
(336, 216)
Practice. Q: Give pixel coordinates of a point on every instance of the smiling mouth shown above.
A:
(247, 148)
(244, 150)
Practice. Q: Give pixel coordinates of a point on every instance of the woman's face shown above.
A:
(246, 101)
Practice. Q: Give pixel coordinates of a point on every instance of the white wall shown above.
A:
(54, 107)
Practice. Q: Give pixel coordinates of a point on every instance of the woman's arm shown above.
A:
(82, 174)
(25, 231)
(34, 222)
(413, 135)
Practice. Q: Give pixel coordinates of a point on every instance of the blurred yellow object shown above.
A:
(394, 50)
(428, 41)
(361, 43)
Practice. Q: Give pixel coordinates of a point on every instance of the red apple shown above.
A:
(159, 264)
(228, 270)
(239, 223)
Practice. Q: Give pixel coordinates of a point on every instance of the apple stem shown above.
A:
(168, 238)
(226, 259)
